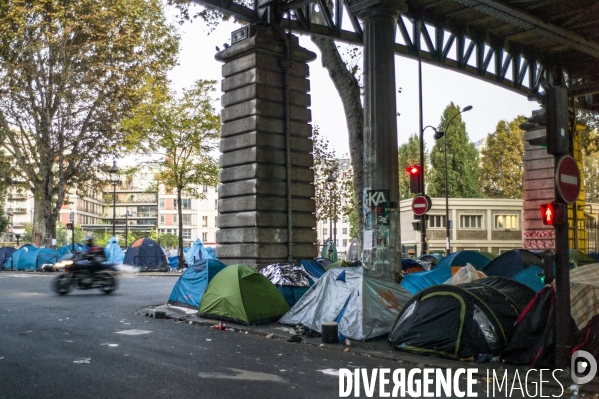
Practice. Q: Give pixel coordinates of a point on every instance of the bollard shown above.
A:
(329, 332)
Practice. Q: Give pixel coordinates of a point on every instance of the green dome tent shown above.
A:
(241, 295)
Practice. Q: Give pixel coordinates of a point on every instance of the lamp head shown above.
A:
(438, 134)
(467, 108)
(114, 169)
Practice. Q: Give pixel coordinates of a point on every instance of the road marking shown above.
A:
(569, 179)
(133, 332)
(243, 375)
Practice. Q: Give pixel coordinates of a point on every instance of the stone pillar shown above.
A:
(252, 198)
(382, 241)
(539, 188)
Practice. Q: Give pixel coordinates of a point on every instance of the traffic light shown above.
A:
(548, 273)
(69, 226)
(414, 172)
(553, 213)
(555, 119)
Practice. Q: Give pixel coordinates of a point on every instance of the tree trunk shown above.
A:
(349, 91)
(180, 216)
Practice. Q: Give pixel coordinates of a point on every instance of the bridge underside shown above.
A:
(517, 44)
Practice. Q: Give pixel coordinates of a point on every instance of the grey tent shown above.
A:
(364, 303)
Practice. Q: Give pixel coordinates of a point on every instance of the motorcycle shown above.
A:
(84, 271)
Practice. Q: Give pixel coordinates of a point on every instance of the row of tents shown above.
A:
(468, 320)
(143, 253)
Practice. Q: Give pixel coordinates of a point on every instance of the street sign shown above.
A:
(421, 204)
(72, 217)
(567, 179)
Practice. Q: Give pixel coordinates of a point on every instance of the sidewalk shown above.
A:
(378, 348)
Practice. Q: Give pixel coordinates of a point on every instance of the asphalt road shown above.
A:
(90, 345)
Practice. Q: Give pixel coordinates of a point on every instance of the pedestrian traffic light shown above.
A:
(555, 119)
(69, 226)
(553, 213)
(548, 272)
(414, 171)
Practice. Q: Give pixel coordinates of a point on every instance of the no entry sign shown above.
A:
(421, 204)
(567, 179)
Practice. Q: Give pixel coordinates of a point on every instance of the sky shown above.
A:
(441, 86)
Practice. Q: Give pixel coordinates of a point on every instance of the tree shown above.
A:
(333, 185)
(462, 160)
(168, 240)
(502, 161)
(69, 71)
(182, 132)
(590, 169)
(64, 235)
(409, 154)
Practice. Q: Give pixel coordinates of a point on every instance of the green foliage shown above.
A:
(462, 160)
(69, 72)
(27, 237)
(590, 169)
(101, 237)
(502, 161)
(354, 231)
(409, 154)
(182, 131)
(168, 241)
(334, 187)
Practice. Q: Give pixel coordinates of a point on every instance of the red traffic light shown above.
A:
(413, 170)
(69, 226)
(553, 213)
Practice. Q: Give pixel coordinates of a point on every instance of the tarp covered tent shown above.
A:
(584, 293)
(211, 252)
(461, 258)
(147, 255)
(5, 255)
(196, 252)
(411, 266)
(461, 321)
(30, 258)
(342, 263)
(114, 253)
(66, 249)
(292, 280)
(191, 285)
(594, 255)
(364, 303)
(240, 294)
(324, 262)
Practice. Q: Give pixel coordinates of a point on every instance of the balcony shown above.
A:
(16, 210)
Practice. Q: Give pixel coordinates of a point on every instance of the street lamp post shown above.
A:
(114, 181)
(127, 228)
(330, 181)
(437, 136)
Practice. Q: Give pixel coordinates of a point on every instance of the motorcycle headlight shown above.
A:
(67, 262)
(59, 265)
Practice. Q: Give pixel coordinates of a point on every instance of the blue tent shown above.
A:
(211, 252)
(416, 282)
(66, 249)
(594, 255)
(509, 263)
(530, 277)
(31, 258)
(313, 268)
(5, 255)
(114, 253)
(460, 258)
(196, 252)
(147, 255)
(173, 262)
(189, 289)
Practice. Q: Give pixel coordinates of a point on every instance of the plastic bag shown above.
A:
(466, 274)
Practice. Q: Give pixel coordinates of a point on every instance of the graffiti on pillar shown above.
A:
(538, 239)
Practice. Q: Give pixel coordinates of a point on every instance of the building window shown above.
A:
(435, 221)
(187, 234)
(205, 189)
(471, 222)
(175, 218)
(161, 203)
(185, 203)
(325, 231)
(215, 204)
(344, 243)
(174, 204)
(204, 221)
(161, 219)
(186, 219)
(344, 219)
(506, 222)
(204, 237)
(344, 230)
(216, 221)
